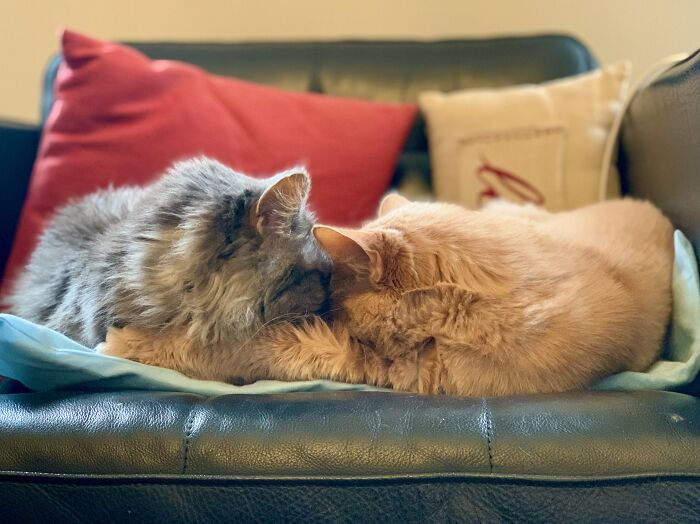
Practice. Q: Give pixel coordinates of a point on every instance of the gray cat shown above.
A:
(203, 248)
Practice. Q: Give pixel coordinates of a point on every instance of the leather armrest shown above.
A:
(587, 435)
(18, 149)
(348, 457)
(660, 158)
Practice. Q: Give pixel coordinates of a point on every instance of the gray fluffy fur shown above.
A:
(183, 251)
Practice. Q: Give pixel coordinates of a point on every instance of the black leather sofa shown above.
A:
(130, 456)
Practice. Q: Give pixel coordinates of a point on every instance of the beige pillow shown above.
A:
(544, 143)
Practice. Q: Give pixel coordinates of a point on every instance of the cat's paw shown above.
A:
(437, 299)
(116, 344)
(130, 343)
(435, 311)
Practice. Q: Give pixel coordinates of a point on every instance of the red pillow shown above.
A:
(120, 118)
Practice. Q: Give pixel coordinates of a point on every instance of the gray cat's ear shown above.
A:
(350, 247)
(280, 203)
(390, 202)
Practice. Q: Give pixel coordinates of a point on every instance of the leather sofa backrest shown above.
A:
(382, 70)
(660, 144)
(660, 158)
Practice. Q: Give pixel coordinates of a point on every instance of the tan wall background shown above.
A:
(640, 30)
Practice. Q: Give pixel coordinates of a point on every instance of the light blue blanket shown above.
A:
(680, 361)
(44, 360)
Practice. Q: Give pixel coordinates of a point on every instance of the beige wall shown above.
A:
(640, 30)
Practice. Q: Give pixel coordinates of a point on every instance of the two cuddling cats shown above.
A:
(225, 277)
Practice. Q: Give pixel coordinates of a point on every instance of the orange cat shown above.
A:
(435, 298)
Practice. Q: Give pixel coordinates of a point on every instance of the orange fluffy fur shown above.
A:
(435, 298)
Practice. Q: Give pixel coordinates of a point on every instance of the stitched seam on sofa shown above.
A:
(488, 423)
(214, 480)
(187, 437)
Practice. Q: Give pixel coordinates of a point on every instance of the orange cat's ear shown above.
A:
(390, 202)
(281, 201)
(351, 247)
